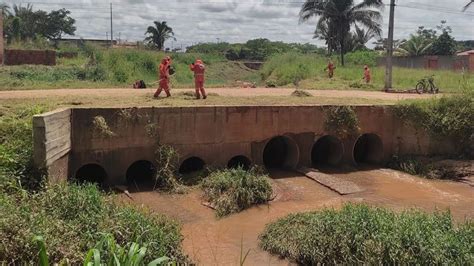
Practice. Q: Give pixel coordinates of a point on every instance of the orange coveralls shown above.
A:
(330, 69)
(198, 68)
(367, 76)
(164, 77)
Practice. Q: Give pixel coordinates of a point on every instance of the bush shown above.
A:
(71, 219)
(233, 190)
(358, 234)
(361, 58)
(448, 117)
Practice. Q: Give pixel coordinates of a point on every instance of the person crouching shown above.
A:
(198, 68)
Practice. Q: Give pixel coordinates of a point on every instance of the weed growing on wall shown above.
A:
(448, 117)
(359, 234)
(341, 120)
(233, 190)
(167, 159)
(101, 128)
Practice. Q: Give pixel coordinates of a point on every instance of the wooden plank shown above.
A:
(338, 185)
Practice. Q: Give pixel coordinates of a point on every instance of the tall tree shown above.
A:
(23, 23)
(158, 34)
(341, 15)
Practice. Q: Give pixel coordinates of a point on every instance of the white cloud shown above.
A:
(237, 21)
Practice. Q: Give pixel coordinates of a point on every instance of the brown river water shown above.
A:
(212, 241)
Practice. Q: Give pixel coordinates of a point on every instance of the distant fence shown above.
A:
(30, 57)
(432, 62)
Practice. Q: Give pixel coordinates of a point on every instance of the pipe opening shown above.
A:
(281, 152)
(327, 151)
(239, 161)
(368, 149)
(191, 165)
(91, 173)
(141, 175)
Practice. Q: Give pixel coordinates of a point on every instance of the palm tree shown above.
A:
(341, 15)
(158, 34)
(324, 32)
(415, 46)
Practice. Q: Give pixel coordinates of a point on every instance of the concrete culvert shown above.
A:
(327, 151)
(91, 173)
(239, 161)
(281, 152)
(141, 175)
(192, 164)
(368, 149)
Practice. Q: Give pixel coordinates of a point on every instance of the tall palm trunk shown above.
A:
(342, 50)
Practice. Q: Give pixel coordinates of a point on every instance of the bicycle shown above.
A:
(426, 84)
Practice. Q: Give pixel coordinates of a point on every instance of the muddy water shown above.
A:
(212, 241)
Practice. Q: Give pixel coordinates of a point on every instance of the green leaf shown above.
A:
(43, 256)
(159, 261)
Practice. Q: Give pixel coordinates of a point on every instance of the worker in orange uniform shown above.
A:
(367, 76)
(330, 69)
(198, 68)
(164, 75)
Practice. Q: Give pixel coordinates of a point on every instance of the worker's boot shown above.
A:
(198, 96)
(204, 97)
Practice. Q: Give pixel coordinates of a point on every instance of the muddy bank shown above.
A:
(212, 241)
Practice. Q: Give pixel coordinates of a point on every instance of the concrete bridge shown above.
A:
(107, 145)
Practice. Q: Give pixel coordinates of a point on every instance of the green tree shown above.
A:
(25, 24)
(58, 23)
(445, 43)
(341, 15)
(158, 34)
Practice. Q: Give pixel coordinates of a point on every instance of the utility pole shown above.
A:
(388, 70)
(111, 28)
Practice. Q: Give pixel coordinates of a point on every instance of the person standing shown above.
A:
(164, 76)
(330, 69)
(367, 75)
(198, 68)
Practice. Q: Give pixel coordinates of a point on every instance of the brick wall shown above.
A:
(430, 62)
(30, 57)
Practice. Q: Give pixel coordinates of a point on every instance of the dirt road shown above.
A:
(232, 92)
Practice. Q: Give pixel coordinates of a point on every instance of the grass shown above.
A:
(96, 67)
(285, 69)
(72, 218)
(233, 190)
(359, 234)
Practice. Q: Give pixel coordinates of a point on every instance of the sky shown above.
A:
(195, 21)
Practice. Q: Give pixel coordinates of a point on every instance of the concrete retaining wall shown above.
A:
(52, 142)
(214, 134)
(30, 57)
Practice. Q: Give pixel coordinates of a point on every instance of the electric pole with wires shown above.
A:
(111, 28)
(388, 70)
